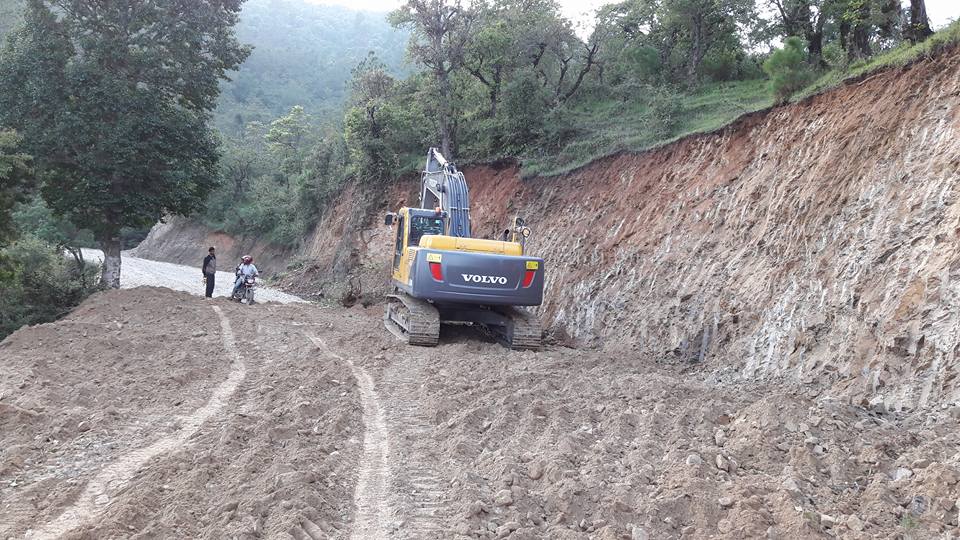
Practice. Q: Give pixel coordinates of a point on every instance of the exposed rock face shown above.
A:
(816, 242)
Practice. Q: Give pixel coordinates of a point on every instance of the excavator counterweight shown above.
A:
(441, 274)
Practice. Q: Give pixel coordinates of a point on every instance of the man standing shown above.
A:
(210, 271)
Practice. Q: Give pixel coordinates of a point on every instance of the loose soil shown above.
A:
(138, 416)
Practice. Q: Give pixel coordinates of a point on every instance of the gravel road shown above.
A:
(137, 272)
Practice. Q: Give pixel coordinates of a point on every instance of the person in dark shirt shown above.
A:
(210, 271)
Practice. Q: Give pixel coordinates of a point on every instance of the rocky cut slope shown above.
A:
(815, 242)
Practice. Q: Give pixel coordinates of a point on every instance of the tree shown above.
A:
(919, 24)
(805, 18)
(704, 24)
(288, 139)
(15, 172)
(788, 69)
(113, 100)
(440, 31)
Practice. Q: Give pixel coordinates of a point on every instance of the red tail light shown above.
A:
(436, 271)
(528, 278)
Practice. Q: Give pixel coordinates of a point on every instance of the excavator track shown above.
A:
(522, 333)
(413, 320)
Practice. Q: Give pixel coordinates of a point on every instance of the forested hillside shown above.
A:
(302, 55)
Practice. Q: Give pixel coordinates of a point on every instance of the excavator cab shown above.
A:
(440, 273)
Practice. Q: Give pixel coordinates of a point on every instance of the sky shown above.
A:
(941, 12)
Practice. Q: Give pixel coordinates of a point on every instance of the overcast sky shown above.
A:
(941, 12)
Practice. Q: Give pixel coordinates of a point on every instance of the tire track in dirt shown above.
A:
(96, 496)
(421, 497)
(371, 495)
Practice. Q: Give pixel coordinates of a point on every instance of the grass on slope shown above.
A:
(607, 127)
(894, 58)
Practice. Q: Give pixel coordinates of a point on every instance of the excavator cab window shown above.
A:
(398, 243)
(423, 225)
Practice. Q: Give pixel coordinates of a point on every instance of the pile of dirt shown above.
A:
(568, 444)
(183, 420)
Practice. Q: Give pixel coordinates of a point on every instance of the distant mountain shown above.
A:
(303, 54)
(10, 11)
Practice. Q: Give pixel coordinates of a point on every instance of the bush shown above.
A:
(38, 284)
(665, 112)
(788, 70)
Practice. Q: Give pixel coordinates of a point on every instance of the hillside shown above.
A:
(303, 54)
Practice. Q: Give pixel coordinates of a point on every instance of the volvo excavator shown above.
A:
(442, 274)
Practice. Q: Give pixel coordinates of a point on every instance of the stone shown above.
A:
(608, 533)
(725, 502)
(854, 523)
(720, 437)
(694, 460)
(955, 413)
(901, 473)
(637, 533)
(83, 427)
(475, 508)
(722, 463)
(827, 521)
(535, 470)
(791, 485)
(503, 498)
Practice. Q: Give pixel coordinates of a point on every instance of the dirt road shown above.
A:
(153, 413)
(137, 272)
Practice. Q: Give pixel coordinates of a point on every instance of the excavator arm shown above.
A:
(443, 186)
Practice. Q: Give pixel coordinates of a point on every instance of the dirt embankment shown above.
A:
(182, 241)
(814, 243)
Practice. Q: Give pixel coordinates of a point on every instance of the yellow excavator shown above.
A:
(441, 274)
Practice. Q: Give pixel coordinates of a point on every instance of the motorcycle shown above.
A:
(246, 290)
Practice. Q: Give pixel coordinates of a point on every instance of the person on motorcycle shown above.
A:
(244, 270)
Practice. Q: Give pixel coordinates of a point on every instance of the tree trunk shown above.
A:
(110, 277)
(815, 42)
(696, 51)
(446, 113)
(919, 24)
(860, 43)
(815, 49)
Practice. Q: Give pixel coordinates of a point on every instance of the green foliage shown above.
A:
(277, 179)
(38, 284)
(303, 54)
(35, 217)
(652, 117)
(385, 122)
(897, 57)
(15, 172)
(114, 107)
(788, 70)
